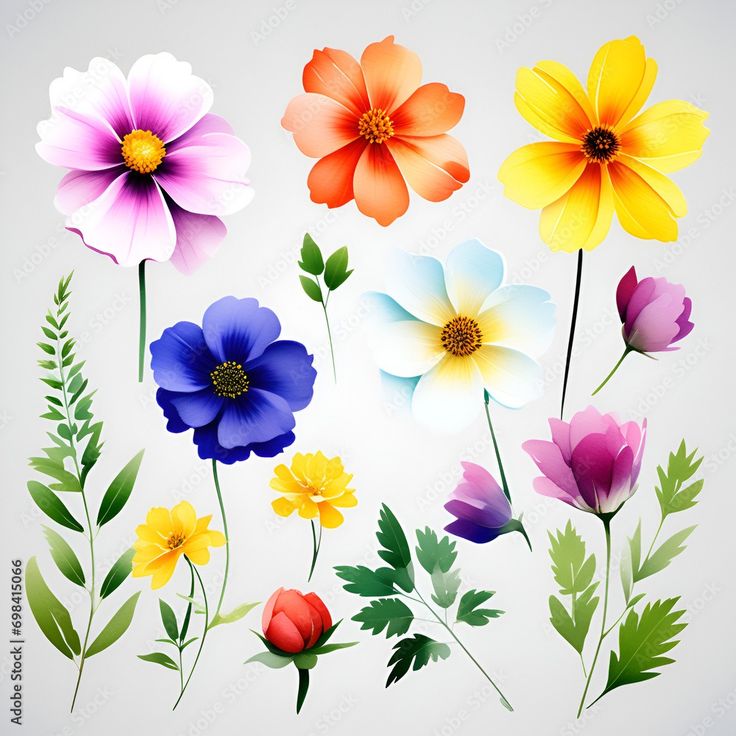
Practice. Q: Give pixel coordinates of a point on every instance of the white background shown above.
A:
(253, 54)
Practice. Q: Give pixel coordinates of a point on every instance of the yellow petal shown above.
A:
(283, 507)
(216, 539)
(202, 523)
(334, 468)
(329, 517)
(199, 556)
(299, 467)
(163, 573)
(544, 101)
(307, 508)
(540, 173)
(619, 80)
(347, 500)
(184, 518)
(146, 533)
(668, 135)
(286, 486)
(582, 217)
(283, 473)
(316, 469)
(159, 519)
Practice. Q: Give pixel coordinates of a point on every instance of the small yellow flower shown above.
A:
(313, 485)
(166, 536)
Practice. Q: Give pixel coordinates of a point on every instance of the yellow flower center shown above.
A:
(461, 336)
(229, 380)
(375, 125)
(175, 540)
(600, 145)
(143, 151)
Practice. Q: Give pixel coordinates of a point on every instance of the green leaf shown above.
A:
(572, 571)
(643, 640)
(630, 562)
(395, 549)
(311, 288)
(305, 660)
(48, 466)
(446, 586)
(311, 255)
(574, 628)
(336, 272)
(169, 619)
(303, 688)
(664, 554)
(327, 648)
(118, 573)
(681, 466)
(366, 582)
(391, 614)
(64, 557)
(119, 491)
(468, 611)
(160, 658)
(52, 506)
(274, 661)
(235, 615)
(93, 449)
(414, 652)
(115, 627)
(51, 616)
(433, 552)
(48, 349)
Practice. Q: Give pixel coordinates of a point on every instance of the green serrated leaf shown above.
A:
(574, 627)
(119, 491)
(664, 554)
(573, 572)
(311, 288)
(336, 269)
(64, 557)
(366, 582)
(160, 658)
(115, 627)
(391, 614)
(630, 562)
(433, 552)
(168, 617)
(52, 506)
(395, 549)
(55, 469)
(414, 652)
(681, 466)
(311, 257)
(446, 586)
(468, 611)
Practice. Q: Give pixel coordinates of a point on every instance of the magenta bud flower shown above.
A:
(592, 462)
(481, 508)
(655, 314)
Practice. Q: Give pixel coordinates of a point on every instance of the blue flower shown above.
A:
(232, 381)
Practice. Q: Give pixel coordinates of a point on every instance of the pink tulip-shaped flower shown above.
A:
(592, 462)
(655, 314)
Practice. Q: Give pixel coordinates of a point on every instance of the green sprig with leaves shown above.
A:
(74, 451)
(392, 586)
(334, 272)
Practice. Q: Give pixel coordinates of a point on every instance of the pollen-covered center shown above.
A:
(461, 336)
(375, 125)
(600, 145)
(143, 151)
(229, 380)
(176, 539)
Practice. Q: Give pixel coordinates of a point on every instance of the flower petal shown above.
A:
(432, 109)
(174, 423)
(197, 238)
(210, 123)
(624, 291)
(329, 516)
(257, 416)
(180, 358)
(478, 515)
(283, 633)
(407, 349)
(283, 507)
(184, 517)
(392, 73)
(78, 188)
(320, 125)
(338, 75)
(378, 186)
(198, 408)
(472, 273)
(471, 531)
(512, 378)
(209, 448)
(551, 462)
(166, 97)
(330, 181)
(540, 173)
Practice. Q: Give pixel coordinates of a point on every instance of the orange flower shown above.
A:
(372, 127)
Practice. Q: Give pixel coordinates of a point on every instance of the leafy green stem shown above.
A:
(613, 370)
(504, 484)
(316, 544)
(227, 537)
(185, 629)
(324, 301)
(141, 318)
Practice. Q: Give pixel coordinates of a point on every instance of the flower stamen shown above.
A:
(375, 125)
(600, 145)
(143, 151)
(176, 539)
(461, 336)
(229, 380)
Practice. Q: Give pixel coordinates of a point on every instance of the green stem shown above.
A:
(316, 544)
(504, 484)
(204, 631)
(227, 537)
(329, 330)
(613, 370)
(573, 322)
(185, 629)
(607, 529)
(141, 318)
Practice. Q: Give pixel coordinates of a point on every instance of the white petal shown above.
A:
(383, 309)
(472, 273)
(510, 377)
(407, 349)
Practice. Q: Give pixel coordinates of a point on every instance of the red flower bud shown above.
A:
(294, 622)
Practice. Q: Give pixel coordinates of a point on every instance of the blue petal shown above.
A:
(175, 424)
(180, 358)
(285, 368)
(382, 308)
(257, 416)
(210, 449)
(198, 408)
(398, 392)
(273, 447)
(238, 329)
(472, 272)
(472, 532)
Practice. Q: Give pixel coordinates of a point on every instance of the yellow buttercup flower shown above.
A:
(314, 485)
(169, 534)
(605, 155)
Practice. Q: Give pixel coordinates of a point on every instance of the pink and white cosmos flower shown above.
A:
(151, 170)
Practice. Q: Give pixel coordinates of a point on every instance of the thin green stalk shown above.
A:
(141, 318)
(204, 631)
(613, 370)
(227, 538)
(573, 322)
(316, 544)
(607, 529)
(504, 484)
(329, 331)
(185, 629)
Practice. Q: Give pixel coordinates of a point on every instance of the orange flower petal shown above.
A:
(434, 166)
(380, 191)
(331, 179)
(391, 72)
(431, 110)
(337, 75)
(319, 124)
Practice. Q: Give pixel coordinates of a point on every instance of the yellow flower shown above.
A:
(313, 485)
(166, 536)
(605, 156)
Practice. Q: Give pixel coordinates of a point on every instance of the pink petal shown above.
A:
(626, 288)
(210, 123)
(197, 238)
(642, 295)
(130, 222)
(588, 421)
(549, 460)
(545, 487)
(208, 178)
(561, 437)
(78, 188)
(166, 97)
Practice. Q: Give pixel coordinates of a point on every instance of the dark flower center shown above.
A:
(229, 380)
(600, 145)
(461, 336)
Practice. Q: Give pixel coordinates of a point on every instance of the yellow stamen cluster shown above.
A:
(229, 380)
(175, 540)
(600, 145)
(143, 151)
(375, 125)
(461, 336)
